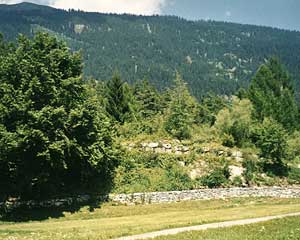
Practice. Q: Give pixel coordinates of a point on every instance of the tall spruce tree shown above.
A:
(147, 98)
(272, 94)
(181, 112)
(118, 105)
(54, 138)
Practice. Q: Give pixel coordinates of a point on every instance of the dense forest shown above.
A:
(212, 56)
(61, 135)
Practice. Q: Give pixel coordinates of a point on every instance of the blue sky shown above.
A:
(277, 13)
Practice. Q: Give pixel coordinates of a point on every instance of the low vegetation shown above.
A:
(283, 229)
(115, 221)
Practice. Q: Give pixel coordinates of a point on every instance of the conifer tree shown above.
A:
(117, 99)
(272, 94)
(147, 98)
(181, 112)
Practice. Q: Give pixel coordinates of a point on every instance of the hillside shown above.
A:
(211, 56)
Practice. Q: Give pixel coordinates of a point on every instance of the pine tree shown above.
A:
(181, 112)
(272, 94)
(209, 107)
(147, 99)
(117, 99)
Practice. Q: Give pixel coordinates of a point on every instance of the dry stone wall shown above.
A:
(160, 147)
(161, 197)
(205, 194)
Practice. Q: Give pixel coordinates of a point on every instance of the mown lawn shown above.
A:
(283, 229)
(115, 221)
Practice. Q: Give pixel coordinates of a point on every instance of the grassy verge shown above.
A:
(114, 221)
(283, 229)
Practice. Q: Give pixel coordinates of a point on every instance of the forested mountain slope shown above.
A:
(211, 56)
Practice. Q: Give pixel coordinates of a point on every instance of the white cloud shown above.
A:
(9, 1)
(33, 1)
(145, 7)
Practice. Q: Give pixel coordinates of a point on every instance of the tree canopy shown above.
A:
(54, 136)
(273, 95)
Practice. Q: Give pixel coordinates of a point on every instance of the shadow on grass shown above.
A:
(26, 214)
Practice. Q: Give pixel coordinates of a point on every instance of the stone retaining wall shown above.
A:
(162, 197)
(205, 194)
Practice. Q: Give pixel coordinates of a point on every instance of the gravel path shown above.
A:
(175, 231)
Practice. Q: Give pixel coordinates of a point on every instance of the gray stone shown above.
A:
(167, 146)
(144, 145)
(153, 145)
(236, 172)
(206, 194)
(237, 154)
(181, 163)
(206, 149)
(185, 149)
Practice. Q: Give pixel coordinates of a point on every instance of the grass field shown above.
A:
(114, 221)
(283, 229)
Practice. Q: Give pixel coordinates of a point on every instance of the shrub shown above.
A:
(228, 140)
(219, 177)
(294, 176)
(270, 138)
(177, 178)
(250, 169)
(233, 122)
(237, 181)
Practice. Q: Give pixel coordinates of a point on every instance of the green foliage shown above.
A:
(54, 137)
(217, 178)
(272, 94)
(270, 138)
(251, 169)
(205, 52)
(209, 107)
(147, 98)
(146, 172)
(117, 95)
(294, 176)
(293, 147)
(233, 122)
(181, 112)
(237, 181)
(228, 140)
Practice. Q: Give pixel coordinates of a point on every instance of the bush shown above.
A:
(233, 123)
(219, 177)
(270, 138)
(237, 181)
(294, 176)
(148, 172)
(177, 179)
(250, 169)
(228, 140)
(293, 147)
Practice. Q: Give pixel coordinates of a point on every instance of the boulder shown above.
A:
(236, 172)
(153, 145)
(206, 149)
(167, 146)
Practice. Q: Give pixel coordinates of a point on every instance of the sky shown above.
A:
(276, 13)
